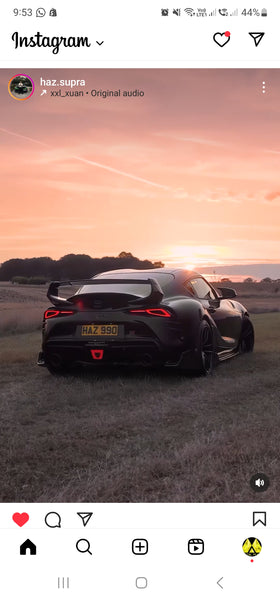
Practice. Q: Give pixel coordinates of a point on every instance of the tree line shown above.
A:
(70, 266)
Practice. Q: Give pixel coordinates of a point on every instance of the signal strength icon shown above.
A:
(234, 13)
(213, 13)
(190, 11)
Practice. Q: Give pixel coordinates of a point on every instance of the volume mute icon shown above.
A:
(257, 37)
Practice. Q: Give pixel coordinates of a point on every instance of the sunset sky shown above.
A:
(189, 174)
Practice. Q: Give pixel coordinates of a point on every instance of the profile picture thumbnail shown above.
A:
(251, 546)
(21, 87)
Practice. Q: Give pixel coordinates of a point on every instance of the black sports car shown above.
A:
(168, 317)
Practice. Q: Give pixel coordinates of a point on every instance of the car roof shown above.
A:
(167, 270)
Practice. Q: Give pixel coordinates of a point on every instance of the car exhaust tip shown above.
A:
(55, 361)
(147, 360)
(41, 360)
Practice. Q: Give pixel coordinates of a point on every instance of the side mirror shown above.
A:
(227, 293)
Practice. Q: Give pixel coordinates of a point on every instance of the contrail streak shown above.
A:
(112, 170)
(24, 137)
(91, 162)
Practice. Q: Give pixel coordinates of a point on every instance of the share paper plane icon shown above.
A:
(85, 517)
(257, 37)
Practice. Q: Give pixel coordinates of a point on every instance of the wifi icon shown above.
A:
(189, 11)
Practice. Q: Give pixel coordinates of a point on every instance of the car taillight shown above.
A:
(49, 314)
(155, 312)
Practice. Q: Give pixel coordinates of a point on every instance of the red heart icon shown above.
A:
(20, 518)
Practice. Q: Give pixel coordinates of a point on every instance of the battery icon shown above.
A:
(264, 12)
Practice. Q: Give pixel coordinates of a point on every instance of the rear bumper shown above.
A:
(142, 353)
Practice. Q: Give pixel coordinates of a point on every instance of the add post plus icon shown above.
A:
(195, 546)
(140, 546)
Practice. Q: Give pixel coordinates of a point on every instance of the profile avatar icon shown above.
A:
(251, 546)
(21, 87)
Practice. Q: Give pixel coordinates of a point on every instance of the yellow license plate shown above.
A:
(100, 330)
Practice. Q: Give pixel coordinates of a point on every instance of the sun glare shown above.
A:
(192, 257)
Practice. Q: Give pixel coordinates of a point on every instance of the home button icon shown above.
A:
(27, 548)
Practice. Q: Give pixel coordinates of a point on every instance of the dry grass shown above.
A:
(257, 297)
(21, 308)
(117, 436)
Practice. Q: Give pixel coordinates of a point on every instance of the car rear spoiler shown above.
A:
(154, 297)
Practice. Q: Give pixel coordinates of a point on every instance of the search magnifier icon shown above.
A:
(83, 546)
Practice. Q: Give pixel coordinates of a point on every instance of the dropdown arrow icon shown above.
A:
(219, 584)
(100, 43)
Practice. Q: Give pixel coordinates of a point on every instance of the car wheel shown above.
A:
(205, 349)
(247, 337)
(204, 354)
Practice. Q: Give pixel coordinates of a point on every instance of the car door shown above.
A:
(227, 317)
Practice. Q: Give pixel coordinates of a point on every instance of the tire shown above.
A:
(205, 349)
(204, 354)
(247, 337)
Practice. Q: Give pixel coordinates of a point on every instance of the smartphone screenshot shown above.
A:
(139, 300)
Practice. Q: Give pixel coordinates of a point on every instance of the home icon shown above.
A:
(27, 545)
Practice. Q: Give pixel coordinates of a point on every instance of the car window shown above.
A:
(137, 289)
(134, 289)
(200, 288)
(189, 288)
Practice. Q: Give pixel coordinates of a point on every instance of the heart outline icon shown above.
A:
(20, 518)
(221, 38)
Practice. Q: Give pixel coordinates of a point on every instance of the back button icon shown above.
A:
(219, 582)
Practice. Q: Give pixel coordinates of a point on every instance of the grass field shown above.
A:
(137, 436)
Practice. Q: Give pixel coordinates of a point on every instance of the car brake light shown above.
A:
(156, 312)
(97, 354)
(49, 314)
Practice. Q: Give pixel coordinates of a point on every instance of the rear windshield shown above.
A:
(135, 289)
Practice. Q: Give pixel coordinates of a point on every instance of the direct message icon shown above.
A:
(85, 516)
